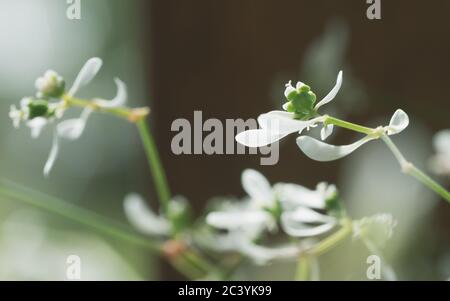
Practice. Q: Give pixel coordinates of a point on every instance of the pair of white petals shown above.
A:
(276, 125)
(321, 151)
(72, 129)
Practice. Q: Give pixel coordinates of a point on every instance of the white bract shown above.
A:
(276, 125)
(38, 113)
(440, 162)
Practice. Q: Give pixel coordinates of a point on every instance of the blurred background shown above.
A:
(229, 59)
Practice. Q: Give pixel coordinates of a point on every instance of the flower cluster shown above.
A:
(294, 207)
(52, 100)
(300, 114)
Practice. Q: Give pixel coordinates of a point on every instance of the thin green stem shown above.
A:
(131, 114)
(406, 166)
(332, 240)
(12, 191)
(303, 270)
(348, 125)
(155, 165)
(411, 170)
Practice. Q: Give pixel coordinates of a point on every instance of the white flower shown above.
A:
(440, 162)
(298, 217)
(72, 129)
(251, 215)
(143, 218)
(275, 125)
(321, 151)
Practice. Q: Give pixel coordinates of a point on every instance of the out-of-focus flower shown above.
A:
(298, 218)
(375, 231)
(300, 114)
(440, 162)
(321, 151)
(245, 222)
(40, 112)
(142, 217)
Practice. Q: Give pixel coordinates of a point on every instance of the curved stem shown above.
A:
(409, 169)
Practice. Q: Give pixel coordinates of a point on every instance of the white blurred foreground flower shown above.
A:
(440, 162)
(246, 221)
(40, 112)
(301, 114)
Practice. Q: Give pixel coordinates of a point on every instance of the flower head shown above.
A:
(40, 112)
(293, 206)
(300, 114)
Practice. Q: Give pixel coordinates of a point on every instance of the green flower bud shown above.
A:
(51, 85)
(301, 100)
(37, 108)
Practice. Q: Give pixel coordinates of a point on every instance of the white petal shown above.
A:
(143, 218)
(326, 131)
(441, 142)
(306, 215)
(261, 255)
(321, 151)
(332, 93)
(233, 220)
(258, 138)
(37, 125)
(72, 129)
(291, 196)
(275, 125)
(294, 228)
(289, 88)
(87, 73)
(257, 187)
(52, 156)
(398, 123)
(281, 122)
(119, 100)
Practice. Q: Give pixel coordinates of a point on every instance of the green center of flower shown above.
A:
(301, 102)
